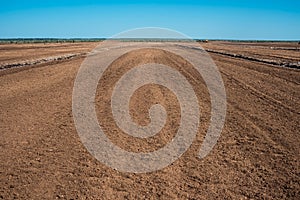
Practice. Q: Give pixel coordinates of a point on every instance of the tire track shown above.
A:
(257, 127)
(260, 95)
(261, 70)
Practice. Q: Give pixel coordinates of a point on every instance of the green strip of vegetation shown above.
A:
(48, 40)
(73, 40)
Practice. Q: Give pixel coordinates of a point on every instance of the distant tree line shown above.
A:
(73, 40)
(48, 40)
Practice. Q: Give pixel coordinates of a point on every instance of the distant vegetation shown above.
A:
(72, 40)
(48, 40)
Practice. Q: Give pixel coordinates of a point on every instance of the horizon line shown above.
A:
(155, 38)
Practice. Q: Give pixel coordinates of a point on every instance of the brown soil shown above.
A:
(280, 51)
(256, 157)
(13, 53)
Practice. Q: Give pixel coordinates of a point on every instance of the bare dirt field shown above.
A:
(256, 157)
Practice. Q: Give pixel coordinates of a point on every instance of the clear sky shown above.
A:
(212, 19)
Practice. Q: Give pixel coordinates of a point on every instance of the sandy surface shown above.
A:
(256, 157)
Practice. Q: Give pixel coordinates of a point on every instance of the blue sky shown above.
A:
(212, 19)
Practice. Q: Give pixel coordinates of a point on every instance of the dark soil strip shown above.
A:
(272, 62)
(40, 61)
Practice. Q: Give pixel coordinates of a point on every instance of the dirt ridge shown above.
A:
(40, 61)
(265, 61)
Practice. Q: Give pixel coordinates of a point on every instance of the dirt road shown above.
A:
(256, 157)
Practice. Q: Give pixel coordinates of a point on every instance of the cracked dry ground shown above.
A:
(256, 157)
